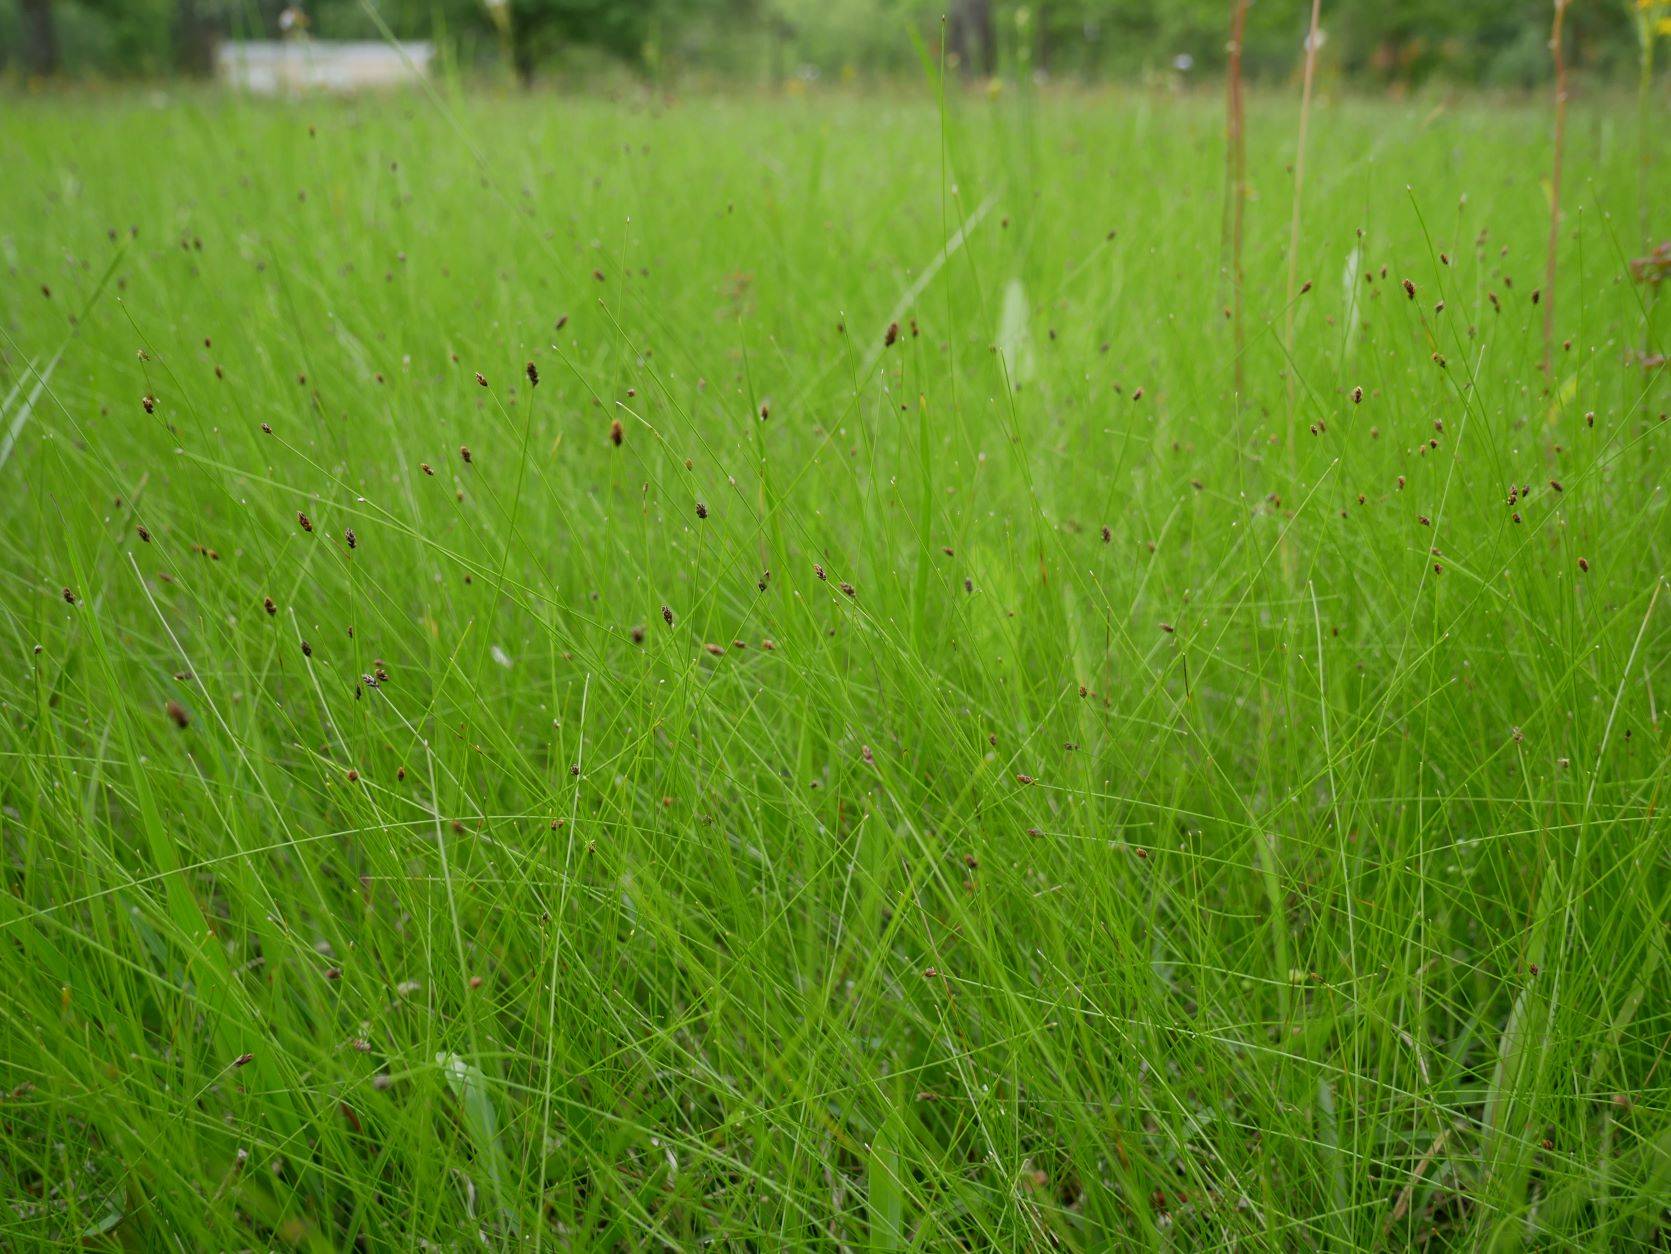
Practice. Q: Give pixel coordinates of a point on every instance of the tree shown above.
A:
(540, 28)
(40, 37)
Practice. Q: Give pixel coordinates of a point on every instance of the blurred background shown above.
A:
(1380, 44)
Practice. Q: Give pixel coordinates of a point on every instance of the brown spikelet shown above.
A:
(891, 336)
(303, 521)
(177, 712)
(533, 375)
(617, 432)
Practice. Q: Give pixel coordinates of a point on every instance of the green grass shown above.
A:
(1206, 824)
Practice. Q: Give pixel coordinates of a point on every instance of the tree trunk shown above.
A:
(970, 35)
(40, 37)
(194, 39)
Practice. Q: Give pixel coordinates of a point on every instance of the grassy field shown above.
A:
(769, 786)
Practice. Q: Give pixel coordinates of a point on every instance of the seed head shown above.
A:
(533, 375)
(465, 454)
(177, 712)
(667, 615)
(1409, 289)
(150, 403)
(891, 336)
(303, 521)
(352, 540)
(268, 604)
(481, 380)
(1357, 396)
(143, 533)
(617, 432)
(701, 510)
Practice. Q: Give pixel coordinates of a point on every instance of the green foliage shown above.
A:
(1483, 41)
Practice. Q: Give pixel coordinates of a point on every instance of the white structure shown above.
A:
(291, 66)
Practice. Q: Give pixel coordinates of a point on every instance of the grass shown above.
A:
(1180, 836)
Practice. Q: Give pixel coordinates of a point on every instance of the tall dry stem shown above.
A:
(1558, 48)
(1236, 174)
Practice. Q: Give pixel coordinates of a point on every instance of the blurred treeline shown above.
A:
(1496, 43)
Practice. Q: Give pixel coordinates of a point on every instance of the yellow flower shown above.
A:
(1664, 26)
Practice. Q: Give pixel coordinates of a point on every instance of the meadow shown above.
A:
(760, 672)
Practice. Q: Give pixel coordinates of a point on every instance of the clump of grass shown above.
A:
(968, 833)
